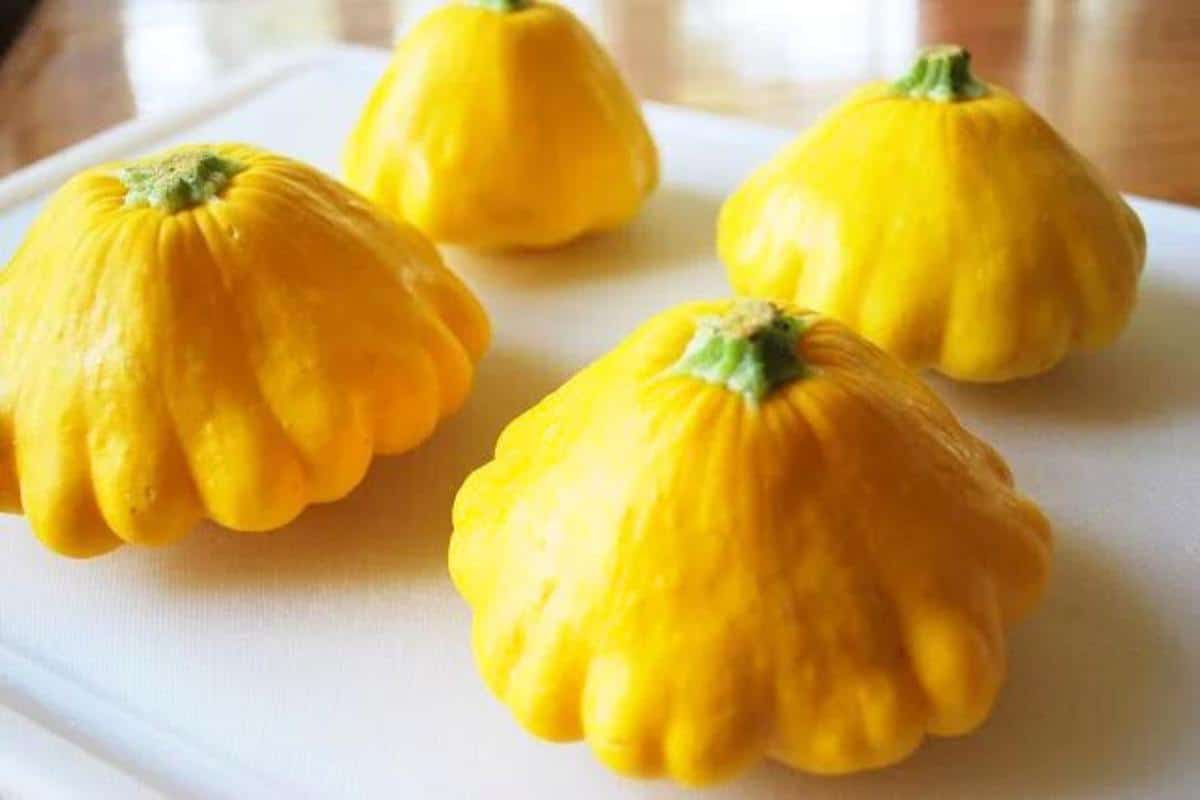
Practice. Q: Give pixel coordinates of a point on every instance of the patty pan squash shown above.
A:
(744, 532)
(946, 221)
(216, 331)
(503, 124)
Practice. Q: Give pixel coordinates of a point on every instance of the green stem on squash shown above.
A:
(751, 349)
(182, 179)
(504, 5)
(941, 73)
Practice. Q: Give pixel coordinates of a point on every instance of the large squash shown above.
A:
(219, 332)
(943, 219)
(745, 532)
(503, 124)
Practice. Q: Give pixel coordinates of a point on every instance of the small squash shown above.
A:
(745, 532)
(216, 331)
(946, 221)
(503, 124)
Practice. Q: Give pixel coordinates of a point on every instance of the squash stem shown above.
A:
(504, 5)
(941, 73)
(177, 180)
(751, 349)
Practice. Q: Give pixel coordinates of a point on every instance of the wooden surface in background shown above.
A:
(1117, 77)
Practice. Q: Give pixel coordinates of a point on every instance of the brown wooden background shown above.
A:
(1118, 77)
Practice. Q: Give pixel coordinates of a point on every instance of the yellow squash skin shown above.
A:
(236, 359)
(966, 235)
(690, 580)
(501, 129)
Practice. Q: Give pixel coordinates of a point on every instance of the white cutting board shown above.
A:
(331, 659)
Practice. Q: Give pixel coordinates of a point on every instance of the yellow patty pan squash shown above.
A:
(745, 532)
(220, 332)
(503, 124)
(946, 221)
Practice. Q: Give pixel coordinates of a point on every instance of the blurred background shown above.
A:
(1117, 77)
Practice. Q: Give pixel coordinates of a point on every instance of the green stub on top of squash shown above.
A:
(751, 349)
(941, 73)
(504, 5)
(178, 180)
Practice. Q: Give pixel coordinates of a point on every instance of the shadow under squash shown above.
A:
(1149, 371)
(395, 525)
(675, 225)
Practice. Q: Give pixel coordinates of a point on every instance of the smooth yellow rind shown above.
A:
(964, 236)
(502, 130)
(236, 360)
(691, 581)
